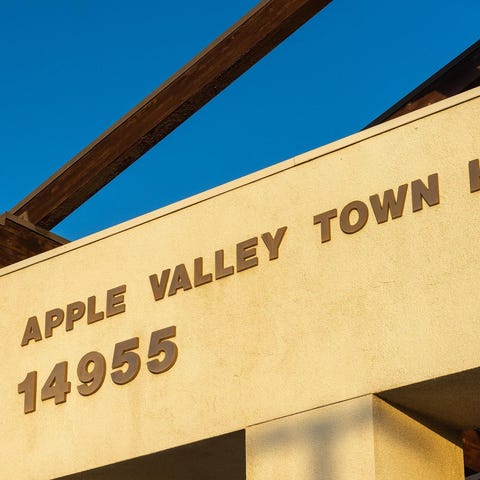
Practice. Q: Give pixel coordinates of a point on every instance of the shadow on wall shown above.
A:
(361, 438)
(333, 442)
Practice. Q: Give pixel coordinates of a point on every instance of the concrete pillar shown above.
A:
(409, 449)
(361, 438)
(333, 442)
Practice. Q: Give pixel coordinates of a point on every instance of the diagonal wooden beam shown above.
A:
(256, 34)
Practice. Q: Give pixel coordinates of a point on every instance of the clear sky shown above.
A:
(71, 68)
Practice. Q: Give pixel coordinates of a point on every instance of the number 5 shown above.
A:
(123, 355)
(159, 343)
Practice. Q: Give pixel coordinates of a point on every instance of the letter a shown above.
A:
(32, 331)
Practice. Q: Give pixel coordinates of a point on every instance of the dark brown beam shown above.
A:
(461, 74)
(471, 450)
(20, 240)
(256, 34)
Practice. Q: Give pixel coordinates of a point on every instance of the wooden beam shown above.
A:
(256, 34)
(471, 450)
(461, 74)
(20, 240)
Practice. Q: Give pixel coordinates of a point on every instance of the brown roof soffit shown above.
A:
(234, 52)
(20, 240)
(461, 74)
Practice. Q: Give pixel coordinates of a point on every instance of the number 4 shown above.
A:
(159, 343)
(56, 385)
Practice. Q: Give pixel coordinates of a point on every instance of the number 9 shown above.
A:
(92, 379)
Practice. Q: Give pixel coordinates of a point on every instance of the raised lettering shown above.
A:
(220, 269)
(115, 301)
(199, 278)
(32, 331)
(474, 174)
(362, 212)
(53, 318)
(324, 220)
(92, 315)
(180, 280)
(159, 288)
(246, 254)
(74, 312)
(421, 192)
(273, 243)
(390, 204)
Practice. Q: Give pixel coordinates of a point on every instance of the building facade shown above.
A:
(313, 320)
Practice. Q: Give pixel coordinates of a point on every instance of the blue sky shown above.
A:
(71, 68)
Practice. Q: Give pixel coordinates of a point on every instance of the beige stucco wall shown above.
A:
(323, 323)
